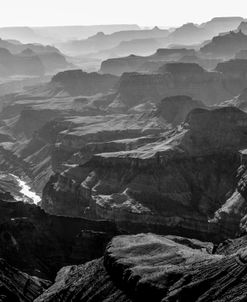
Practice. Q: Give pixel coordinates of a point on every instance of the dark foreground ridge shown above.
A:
(148, 267)
(40, 244)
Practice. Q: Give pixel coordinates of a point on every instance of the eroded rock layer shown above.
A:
(177, 184)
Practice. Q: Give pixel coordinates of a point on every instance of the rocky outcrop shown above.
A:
(147, 266)
(100, 283)
(17, 286)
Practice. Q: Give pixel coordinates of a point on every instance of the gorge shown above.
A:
(123, 163)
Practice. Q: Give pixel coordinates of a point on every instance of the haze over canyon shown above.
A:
(123, 159)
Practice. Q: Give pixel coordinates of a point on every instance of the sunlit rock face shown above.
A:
(148, 266)
(171, 185)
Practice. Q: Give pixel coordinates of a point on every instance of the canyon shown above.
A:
(125, 182)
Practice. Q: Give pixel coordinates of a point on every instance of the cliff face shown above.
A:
(172, 185)
(148, 266)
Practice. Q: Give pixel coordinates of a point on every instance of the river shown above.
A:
(25, 190)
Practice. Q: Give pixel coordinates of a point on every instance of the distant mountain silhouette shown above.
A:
(222, 24)
(22, 64)
(30, 59)
(54, 34)
(101, 41)
(226, 45)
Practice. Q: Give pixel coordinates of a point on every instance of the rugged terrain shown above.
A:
(139, 167)
(148, 266)
(185, 182)
(40, 244)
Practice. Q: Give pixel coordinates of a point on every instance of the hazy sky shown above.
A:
(143, 12)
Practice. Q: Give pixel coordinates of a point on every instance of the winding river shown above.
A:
(26, 190)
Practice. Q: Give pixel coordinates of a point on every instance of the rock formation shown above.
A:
(148, 266)
(155, 153)
(174, 184)
(17, 286)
